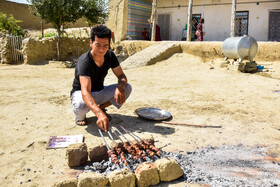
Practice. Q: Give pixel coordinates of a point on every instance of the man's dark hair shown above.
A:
(101, 31)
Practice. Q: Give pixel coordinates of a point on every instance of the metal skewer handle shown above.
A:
(122, 135)
(110, 135)
(104, 139)
(114, 131)
(131, 134)
(118, 166)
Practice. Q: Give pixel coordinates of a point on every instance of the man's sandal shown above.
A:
(81, 122)
(108, 116)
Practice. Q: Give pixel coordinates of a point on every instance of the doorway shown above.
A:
(164, 24)
(274, 26)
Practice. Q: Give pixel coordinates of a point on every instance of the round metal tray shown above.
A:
(151, 113)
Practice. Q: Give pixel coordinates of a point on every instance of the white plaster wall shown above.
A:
(217, 22)
(259, 19)
(178, 20)
(217, 17)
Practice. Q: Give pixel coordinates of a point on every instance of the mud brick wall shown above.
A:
(5, 51)
(36, 50)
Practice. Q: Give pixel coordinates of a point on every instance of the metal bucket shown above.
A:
(245, 47)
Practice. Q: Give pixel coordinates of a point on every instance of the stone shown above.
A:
(146, 175)
(70, 182)
(149, 138)
(168, 169)
(125, 179)
(97, 152)
(250, 67)
(77, 154)
(92, 179)
(152, 54)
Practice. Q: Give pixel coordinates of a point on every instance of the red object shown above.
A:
(200, 32)
(158, 38)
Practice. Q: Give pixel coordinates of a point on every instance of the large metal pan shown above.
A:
(151, 113)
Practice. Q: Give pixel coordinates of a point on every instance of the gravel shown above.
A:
(223, 166)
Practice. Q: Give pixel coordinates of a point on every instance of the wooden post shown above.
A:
(233, 13)
(42, 28)
(189, 31)
(153, 19)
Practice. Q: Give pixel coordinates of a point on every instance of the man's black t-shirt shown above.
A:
(87, 67)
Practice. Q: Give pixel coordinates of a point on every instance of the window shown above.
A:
(241, 23)
(195, 22)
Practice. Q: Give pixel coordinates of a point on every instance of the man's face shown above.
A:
(99, 46)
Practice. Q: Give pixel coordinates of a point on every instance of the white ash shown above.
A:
(225, 166)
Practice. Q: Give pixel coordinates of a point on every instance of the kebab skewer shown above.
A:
(119, 151)
(144, 143)
(126, 145)
(132, 147)
(111, 153)
(139, 145)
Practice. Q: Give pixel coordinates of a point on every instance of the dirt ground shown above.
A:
(35, 104)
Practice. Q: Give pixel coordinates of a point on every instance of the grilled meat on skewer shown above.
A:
(152, 147)
(123, 158)
(114, 157)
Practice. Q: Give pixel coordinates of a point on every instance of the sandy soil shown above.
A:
(35, 104)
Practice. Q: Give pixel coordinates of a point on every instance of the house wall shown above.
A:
(218, 16)
(29, 21)
(117, 20)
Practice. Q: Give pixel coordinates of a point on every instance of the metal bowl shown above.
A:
(151, 113)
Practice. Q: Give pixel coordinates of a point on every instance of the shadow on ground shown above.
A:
(133, 124)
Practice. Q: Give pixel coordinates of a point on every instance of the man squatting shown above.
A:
(88, 91)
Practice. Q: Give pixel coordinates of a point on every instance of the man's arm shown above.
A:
(103, 121)
(122, 81)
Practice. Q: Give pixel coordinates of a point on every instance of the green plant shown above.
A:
(10, 26)
(95, 11)
(57, 12)
(50, 34)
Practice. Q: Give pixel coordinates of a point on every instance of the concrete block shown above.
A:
(168, 169)
(77, 154)
(127, 179)
(146, 175)
(70, 182)
(97, 152)
(151, 55)
(92, 179)
(149, 138)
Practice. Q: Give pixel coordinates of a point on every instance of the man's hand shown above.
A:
(120, 96)
(122, 81)
(103, 122)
